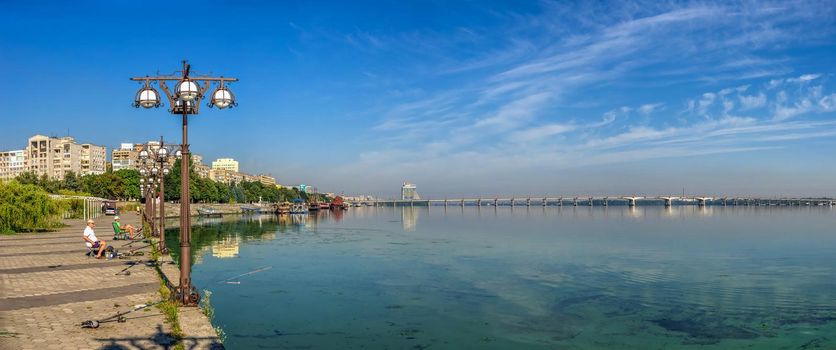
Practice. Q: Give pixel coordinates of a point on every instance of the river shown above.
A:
(522, 278)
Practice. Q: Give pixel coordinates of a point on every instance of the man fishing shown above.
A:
(118, 228)
(92, 241)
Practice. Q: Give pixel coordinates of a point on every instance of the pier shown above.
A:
(528, 201)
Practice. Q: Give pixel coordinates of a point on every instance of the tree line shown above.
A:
(124, 185)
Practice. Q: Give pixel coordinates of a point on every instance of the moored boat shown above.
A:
(298, 207)
(283, 208)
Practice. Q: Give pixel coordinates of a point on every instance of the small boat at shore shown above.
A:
(210, 212)
(283, 208)
(298, 207)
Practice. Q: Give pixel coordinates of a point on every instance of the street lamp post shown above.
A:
(153, 162)
(186, 100)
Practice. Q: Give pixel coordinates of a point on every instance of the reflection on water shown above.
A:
(524, 278)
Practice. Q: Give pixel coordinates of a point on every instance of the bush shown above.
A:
(27, 208)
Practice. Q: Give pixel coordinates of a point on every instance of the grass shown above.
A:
(169, 306)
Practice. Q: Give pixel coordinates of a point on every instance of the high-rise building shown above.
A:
(93, 159)
(55, 157)
(12, 164)
(124, 157)
(225, 164)
(409, 191)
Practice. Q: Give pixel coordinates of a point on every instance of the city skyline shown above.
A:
(459, 98)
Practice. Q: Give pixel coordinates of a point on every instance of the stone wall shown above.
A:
(172, 210)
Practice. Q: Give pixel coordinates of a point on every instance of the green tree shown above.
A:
(71, 182)
(26, 207)
(28, 178)
(130, 183)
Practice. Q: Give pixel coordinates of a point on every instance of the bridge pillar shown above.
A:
(462, 204)
(445, 203)
(701, 202)
(575, 202)
(631, 202)
(411, 202)
(528, 202)
(668, 201)
(479, 202)
(606, 199)
(560, 202)
(590, 201)
(545, 201)
(496, 202)
(724, 202)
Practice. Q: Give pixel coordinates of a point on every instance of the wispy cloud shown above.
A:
(513, 104)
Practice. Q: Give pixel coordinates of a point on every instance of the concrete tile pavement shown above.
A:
(48, 287)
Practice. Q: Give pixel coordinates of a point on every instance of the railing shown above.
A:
(88, 207)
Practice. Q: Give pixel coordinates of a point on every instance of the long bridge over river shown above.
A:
(529, 201)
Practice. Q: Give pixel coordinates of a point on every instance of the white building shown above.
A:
(225, 164)
(12, 164)
(409, 191)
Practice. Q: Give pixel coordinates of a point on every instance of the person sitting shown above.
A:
(92, 241)
(120, 229)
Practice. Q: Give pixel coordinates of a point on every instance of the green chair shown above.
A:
(119, 233)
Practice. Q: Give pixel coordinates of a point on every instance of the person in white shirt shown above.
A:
(91, 241)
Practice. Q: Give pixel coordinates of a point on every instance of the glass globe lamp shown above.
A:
(222, 98)
(187, 90)
(147, 97)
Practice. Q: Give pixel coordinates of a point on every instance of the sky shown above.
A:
(462, 98)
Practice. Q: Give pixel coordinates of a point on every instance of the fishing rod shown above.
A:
(119, 317)
(245, 274)
(134, 263)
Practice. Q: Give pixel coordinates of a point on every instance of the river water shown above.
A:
(523, 278)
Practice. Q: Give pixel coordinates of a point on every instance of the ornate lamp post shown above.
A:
(188, 93)
(154, 162)
(147, 186)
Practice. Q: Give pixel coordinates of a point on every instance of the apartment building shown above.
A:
(56, 156)
(225, 164)
(226, 176)
(267, 180)
(12, 164)
(93, 159)
(124, 157)
(200, 169)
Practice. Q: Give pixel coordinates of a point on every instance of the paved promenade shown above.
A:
(48, 287)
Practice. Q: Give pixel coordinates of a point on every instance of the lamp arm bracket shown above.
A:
(167, 93)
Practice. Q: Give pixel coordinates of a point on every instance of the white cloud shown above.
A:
(541, 132)
(752, 101)
(804, 78)
(515, 113)
(649, 108)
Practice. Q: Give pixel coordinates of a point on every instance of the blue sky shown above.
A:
(462, 98)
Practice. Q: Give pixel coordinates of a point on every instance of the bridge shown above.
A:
(575, 201)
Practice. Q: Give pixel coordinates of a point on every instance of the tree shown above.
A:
(26, 207)
(130, 183)
(71, 182)
(28, 178)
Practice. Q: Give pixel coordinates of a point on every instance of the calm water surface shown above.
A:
(536, 278)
